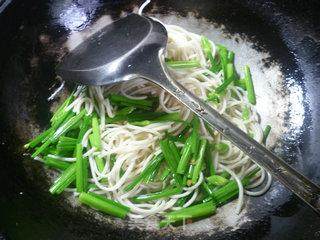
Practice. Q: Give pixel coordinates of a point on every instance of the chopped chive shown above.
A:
(126, 110)
(230, 73)
(230, 190)
(207, 190)
(66, 144)
(43, 137)
(96, 140)
(221, 148)
(120, 100)
(195, 138)
(249, 85)
(83, 128)
(167, 192)
(214, 97)
(55, 163)
(193, 212)
(170, 159)
(175, 152)
(190, 171)
(209, 161)
(241, 83)
(81, 170)
(183, 64)
(62, 107)
(64, 180)
(206, 46)
(217, 180)
(181, 201)
(245, 113)
(146, 172)
(165, 174)
(100, 163)
(185, 157)
(103, 204)
(230, 57)
(225, 175)
(153, 174)
(223, 53)
(266, 133)
(33, 143)
(199, 161)
(68, 125)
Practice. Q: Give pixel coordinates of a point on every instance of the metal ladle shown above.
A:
(134, 47)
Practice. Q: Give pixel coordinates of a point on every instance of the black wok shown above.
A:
(284, 40)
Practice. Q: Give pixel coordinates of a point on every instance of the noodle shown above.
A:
(135, 146)
(126, 148)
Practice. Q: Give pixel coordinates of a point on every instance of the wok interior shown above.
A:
(28, 81)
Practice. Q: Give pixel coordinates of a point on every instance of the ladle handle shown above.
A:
(289, 177)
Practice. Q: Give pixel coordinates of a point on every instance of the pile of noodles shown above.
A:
(134, 146)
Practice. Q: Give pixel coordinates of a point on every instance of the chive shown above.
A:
(241, 83)
(100, 163)
(206, 188)
(206, 46)
(62, 107)
(59, 132)
(196, 211)
(213, 97)
(230, 74)
(49, 132)
(230, 57)
(141, 123)
(181, 201)
(217, 180)
(165, 174)
(170, 159)
(230, 190)
(175, 152)
(167, 192)
(96, 134)
(169, 117)
(223, 53)
(245, 113)
(184, 131)
(39, 138)
(190, 171)
(207, 49)
(185, 157)
(55, 163)
(64, 180)
(249, 85)
(209, 160)
(266, 132)
(146, 172)
(104, 205)
(183, 64)
(225, 175)
(112, 160)
(66, 144)
(146, 104)
(221, 148)
(83, 128)
(199, 161)
(195, 135)
(126, 110)
(81, 170)
(153, 174)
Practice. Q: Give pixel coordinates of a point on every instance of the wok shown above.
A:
(278, 39)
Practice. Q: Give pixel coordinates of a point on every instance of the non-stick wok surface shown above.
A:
(280, 38)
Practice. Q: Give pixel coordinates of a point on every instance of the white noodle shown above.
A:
(135, 146)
